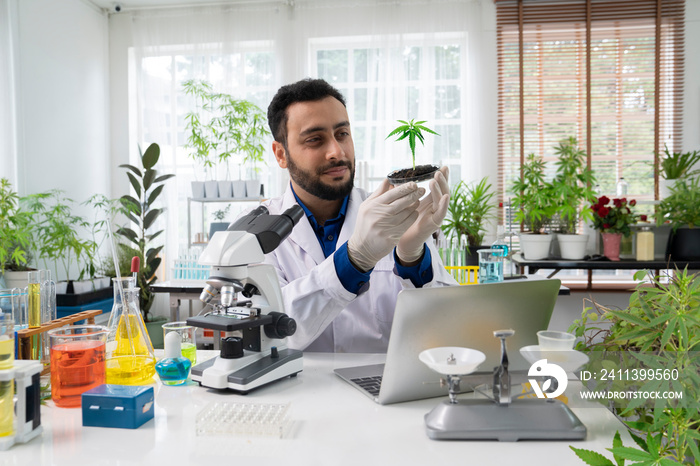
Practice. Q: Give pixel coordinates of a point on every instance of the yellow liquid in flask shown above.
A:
(131, 363)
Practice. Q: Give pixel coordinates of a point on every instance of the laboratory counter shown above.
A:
(333, 424)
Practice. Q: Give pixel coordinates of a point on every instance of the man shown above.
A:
(344, 264)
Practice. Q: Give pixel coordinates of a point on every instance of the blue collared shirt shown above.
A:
(352, 279)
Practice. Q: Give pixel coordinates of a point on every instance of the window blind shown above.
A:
(609, 73)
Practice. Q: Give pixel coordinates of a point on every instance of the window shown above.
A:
(609, 73)
(420, 78)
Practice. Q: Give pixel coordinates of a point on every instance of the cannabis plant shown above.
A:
(413, 131)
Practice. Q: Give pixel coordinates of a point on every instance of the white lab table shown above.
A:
(334, 424)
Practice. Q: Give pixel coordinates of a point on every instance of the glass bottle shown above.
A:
(500, 242)
(129, 354)
(622, 187)
(173, 369)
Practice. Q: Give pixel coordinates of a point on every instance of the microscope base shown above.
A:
(254, 370)
(523, 419)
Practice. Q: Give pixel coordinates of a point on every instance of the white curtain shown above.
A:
(7, 119)
(408, 59)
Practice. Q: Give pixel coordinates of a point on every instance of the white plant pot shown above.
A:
(14, 279)
(535, 247)
(225, 189)
(61, 287)
(238, 188)
(197, 189)
(665, 187)
(101, 282)
(83, 286)
(211, 189)
(572, 247)
(252, 188)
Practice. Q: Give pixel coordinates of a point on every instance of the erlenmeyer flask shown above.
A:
(129, 353)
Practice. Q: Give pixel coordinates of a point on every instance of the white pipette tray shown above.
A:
(244, 420)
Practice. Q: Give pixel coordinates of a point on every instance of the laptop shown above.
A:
(463, 316)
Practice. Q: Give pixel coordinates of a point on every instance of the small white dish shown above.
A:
(465, 360)
(569, 360)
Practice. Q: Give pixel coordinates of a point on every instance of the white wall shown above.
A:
(62, 105)
(61, 79)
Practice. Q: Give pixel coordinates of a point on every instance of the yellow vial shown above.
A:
(645, 245)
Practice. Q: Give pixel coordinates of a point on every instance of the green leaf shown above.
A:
(132, 168)
(163, 178)
(617, 442)
(154, 194)
(150, 158)
(632, 454)
(591, 457)
(150, 218)
(135, 184)
(148, 178)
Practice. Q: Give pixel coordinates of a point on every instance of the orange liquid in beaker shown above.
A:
(76, 367)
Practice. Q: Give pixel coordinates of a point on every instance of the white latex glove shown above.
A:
(431, 213)
(382, 218)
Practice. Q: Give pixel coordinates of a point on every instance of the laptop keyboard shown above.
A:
(369, 384)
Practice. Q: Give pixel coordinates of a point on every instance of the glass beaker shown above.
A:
(7, 341)
(77, 362)
(491, 265)
(188, 342)
(130, 357)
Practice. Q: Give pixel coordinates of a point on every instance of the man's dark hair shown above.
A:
(306, 90)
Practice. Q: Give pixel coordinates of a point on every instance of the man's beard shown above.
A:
(312, 184)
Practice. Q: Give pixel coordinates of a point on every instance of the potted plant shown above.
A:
(220, 225)
(147, 185)
(676, 166)
(535, 201)
(573, 187)
(201, 139)
(104, 210)
(412, 131)
(59, 234)
(682, 210)
(243, 129)
(15, 237)
(221, 128)
(613, 221)
(471, 207)
(659, 333)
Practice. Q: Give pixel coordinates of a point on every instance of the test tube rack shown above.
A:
(24, 336)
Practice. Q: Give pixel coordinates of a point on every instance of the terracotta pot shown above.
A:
(611, 245)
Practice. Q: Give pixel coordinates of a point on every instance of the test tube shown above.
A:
(34, 312)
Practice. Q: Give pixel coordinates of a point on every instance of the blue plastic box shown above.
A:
(123, 406)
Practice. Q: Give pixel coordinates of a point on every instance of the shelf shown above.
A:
(225, 199)
(207, 200)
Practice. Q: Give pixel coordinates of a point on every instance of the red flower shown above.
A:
(603, 212)
(617, 202)
(642, 217)
(602, 200)
(595, 207)
(606, 225)
(634, 203)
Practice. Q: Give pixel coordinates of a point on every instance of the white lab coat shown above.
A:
(330, 318)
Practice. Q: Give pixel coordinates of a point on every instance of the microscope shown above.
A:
(259, 355)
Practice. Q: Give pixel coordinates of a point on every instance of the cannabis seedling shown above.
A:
(411, 130)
